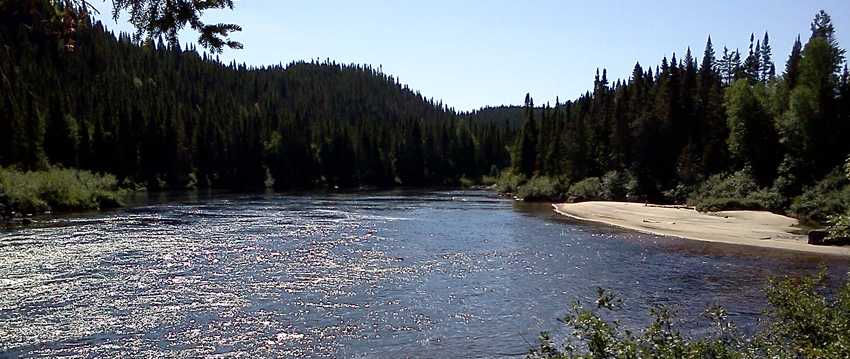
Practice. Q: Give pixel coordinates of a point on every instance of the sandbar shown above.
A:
(753, 228)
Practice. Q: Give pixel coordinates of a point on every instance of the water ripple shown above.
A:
(425, 274)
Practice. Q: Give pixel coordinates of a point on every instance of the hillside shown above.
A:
(166, 117)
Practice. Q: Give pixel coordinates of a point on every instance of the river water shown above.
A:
(430, 274)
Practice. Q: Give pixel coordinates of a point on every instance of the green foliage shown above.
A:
(525, 148)
(467, 182)
(489, 180)
(154, 19)
(151, 18)
(201, 123)
(773, 199)
(481, 181)
(666, 134)
(595, 335)
(736, 191)
(729, 204)
(510, 181)
(678, 131)
(618, 186)
(813, 129)
(587, 189)
(839, 223)
(738, 184)
(801, 321)
(57, 189)
(752, 139)
(829, 196)
(540, 188)
(839, 227)
(678, 194)
(739, 191)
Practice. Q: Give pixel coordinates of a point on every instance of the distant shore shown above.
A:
(753, 228)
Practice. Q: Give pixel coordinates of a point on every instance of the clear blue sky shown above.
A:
(472, 54)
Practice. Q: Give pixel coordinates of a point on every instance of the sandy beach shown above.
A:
(753, 228)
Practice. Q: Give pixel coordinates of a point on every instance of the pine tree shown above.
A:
(730, 66)
(792, 72)
(709, 112)
(525, 147)
(752, 64)
(767, 70)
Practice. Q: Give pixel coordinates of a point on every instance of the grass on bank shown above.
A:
(57, 189)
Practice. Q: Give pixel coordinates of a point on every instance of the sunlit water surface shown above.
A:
(375, 274)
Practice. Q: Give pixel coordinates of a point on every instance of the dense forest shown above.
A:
(729, 130)
(160, 116)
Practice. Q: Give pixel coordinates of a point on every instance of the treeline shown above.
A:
(164, 117)
(726, 130)
(690, 126)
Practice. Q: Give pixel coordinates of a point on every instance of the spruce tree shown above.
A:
(767, 70)
(525, 147)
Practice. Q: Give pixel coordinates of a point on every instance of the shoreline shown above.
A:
(751, 228)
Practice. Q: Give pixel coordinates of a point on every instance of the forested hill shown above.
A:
(170, 118)
(728, 129)
(507, 115)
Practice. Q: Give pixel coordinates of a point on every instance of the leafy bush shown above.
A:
(618, 186)
(799, 322)
(803, 322)
(539, 188)
(478, 181)
(774, 198)
(839, 228)
(678, 194)
(737, 191)
(57, 189)
(729, 204)
(489, 180)
(587, 189)
(828, 197)
(736, 185)
(466, 182)
(509, 181)
(839, 222)
(594, 336)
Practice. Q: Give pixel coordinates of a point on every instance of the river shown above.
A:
(378, 274)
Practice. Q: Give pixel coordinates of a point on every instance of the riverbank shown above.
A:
(26, 193)
(753, 228)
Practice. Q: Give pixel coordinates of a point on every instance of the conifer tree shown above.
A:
(525, 147)
(792, 72)
(709, 112)
(752, 64)
(767, 69)
(752, 139)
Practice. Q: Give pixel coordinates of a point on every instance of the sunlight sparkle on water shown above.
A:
(435, 274)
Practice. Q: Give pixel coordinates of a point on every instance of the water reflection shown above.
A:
(376, 274)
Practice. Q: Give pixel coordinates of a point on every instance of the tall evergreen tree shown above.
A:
(709, 112)
(767, 69)
(525, 147)
(792, 72)
(752, 64)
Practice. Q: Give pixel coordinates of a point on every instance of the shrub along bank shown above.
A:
(800, 321)
(56, 189)
(820, 205)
